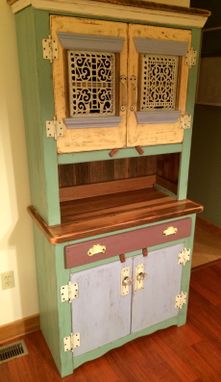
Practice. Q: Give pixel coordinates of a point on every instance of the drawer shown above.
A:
(99, 249)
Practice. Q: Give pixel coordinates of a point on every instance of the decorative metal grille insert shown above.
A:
(158, 82)
(13, 350)
(91, 83)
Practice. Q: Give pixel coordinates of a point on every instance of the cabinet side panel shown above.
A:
(191, 93)
(55, 316)
(35, 81)
(46, 277)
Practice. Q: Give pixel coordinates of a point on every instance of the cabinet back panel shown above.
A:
(104, 171)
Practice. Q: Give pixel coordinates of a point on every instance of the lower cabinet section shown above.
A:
(117, 299)
(95, 306)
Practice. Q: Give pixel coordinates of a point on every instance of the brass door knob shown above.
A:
(127, 281)
(141, 276)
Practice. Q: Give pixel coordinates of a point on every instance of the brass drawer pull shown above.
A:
(95, 249)
(170, 231)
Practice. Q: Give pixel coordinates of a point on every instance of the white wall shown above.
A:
(16, 241)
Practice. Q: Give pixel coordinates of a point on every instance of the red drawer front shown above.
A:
(99, 249)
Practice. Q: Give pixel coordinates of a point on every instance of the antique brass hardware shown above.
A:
(122, 258)
(95, 249)
(139, 150)
(144, 252)
(139, 277)
(133, 81)
(113, 152)
(50, 49)
(181, 300)
(69, 292)
(191, 57)
(125, 281)
(170, 231)
(72, 342)
(123, 92)
(184, 256)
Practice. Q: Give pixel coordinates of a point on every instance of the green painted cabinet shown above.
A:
(108, 98)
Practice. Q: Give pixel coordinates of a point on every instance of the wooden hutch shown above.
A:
(108, 90)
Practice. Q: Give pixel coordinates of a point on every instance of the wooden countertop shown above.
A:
(98, 215)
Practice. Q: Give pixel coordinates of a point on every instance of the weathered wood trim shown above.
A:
(106, 188)
(157, 116)
(77, 254)
(19, 328)
(90, 42)
(135, 10)
(90, 122)
(155, 46)
(110, 220)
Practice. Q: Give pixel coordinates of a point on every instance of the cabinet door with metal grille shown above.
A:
(158, 78)
(90, 84)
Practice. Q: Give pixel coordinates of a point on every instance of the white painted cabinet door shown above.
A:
(100, 314)
(156, 302)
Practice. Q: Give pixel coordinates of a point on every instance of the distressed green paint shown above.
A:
(55, 316)
(36, 82)
(191, 93)
(47, 289)
(122, 153)
(186, 273)
(64, 312)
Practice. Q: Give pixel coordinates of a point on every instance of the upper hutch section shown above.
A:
(122, 79)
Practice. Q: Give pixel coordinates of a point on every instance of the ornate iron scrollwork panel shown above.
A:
(158, 83)
(91, 83)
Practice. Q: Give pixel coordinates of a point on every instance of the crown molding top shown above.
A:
(134, 10)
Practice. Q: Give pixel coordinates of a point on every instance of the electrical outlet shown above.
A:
(8, 280)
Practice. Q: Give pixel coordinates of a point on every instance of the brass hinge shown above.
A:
(50, 49)
(190, 58)
(69, 292)
(184, 256)
(181, 300)
(54, 128)
(185, 121)
(72, 342)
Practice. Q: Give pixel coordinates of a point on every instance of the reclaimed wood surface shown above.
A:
(106, 188)
(144, 4)
(107, 170)
(77, 254)
(154, 133)
(190, 353)
(110, 213)
(91, 138)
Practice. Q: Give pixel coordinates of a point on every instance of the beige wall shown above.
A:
(16, 241)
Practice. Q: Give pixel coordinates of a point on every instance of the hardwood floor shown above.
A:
(207, 244)
(191, 353)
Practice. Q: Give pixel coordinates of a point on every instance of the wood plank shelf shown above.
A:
(113, 212)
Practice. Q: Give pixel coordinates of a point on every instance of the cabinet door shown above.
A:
(90, 84)
(100, 314)
(158, 77)
(156, 301)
